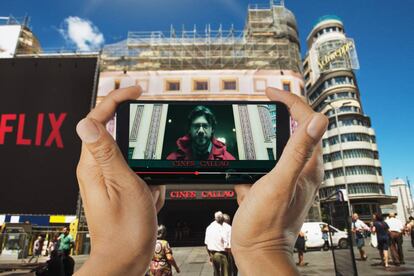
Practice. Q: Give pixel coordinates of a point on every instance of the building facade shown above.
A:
(209, 65)
(404, 205)
(350, 152)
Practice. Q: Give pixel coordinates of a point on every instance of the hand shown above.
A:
(272, 211)
(120, 208)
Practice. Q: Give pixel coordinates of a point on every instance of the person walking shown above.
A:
(163, 260)
(217, 244)
(410, 229)
(325, 237)
(52, 246)
(381, 229)
(396, 235)
(37, 249)
(359, 228)
(300, 247)
(232, 263)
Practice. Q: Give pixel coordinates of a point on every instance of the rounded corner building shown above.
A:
(350, 152)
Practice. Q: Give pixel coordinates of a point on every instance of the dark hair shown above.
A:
(378, 217)
(162, 232)
(410, 218)
(199, 111)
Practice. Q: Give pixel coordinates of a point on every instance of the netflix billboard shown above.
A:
(41, 101)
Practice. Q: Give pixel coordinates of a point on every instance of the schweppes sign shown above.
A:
(335, 54)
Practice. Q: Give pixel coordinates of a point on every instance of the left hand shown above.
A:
(119, 206)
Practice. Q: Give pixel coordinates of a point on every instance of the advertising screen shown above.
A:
(41, 101)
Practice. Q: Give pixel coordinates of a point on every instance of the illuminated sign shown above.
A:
(212, 194)
(336, 54)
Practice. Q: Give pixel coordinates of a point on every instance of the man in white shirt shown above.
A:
(396, 228)
(217, 243)
(359, 228)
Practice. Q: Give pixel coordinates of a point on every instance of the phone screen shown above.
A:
(207, 142)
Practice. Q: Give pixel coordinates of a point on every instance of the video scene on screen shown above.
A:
(199, 133)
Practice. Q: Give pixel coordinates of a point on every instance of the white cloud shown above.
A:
(82, 33)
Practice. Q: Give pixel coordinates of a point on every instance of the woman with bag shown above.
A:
(380, 228)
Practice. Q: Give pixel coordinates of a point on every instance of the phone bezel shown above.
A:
(178, 175)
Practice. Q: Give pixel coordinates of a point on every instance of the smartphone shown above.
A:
(189, 142)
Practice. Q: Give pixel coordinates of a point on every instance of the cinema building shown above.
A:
(222, 64)
(350, 151)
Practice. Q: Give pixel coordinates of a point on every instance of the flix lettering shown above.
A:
(16, 124)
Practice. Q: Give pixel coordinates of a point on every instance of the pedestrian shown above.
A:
(300, 247)
(65, 241)
(163, 260)
(396, 228)
(68, 263)
(359, 228)
(37, 249)
(54, 266)
(410, 229)
(53, 245)
(325, 237)
(232, 263)
(381, 229)
(217, 244)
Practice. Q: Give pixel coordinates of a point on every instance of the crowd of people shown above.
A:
(386, 235)
(60, 262)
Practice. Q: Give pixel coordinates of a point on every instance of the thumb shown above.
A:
(297, 153)
(102, 147)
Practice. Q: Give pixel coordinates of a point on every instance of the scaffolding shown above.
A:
(269, 41)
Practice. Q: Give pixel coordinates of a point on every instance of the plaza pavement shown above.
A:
(193, 261)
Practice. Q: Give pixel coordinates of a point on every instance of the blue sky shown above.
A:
(383, 32)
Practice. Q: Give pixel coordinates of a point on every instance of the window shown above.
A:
(353, 153)
(200, 85)
(117, 84)
(260, 85)
(229, 85)
(286, 86)
(172, 85)
(143, 83)
(270, 154)
(348, 137)
(302, 90)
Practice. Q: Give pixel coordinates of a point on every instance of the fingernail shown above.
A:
(87, 131)
(317, 126)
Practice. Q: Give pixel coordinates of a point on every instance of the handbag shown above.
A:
(374, 240)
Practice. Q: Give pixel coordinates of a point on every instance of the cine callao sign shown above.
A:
(211, 194)
(335, 54)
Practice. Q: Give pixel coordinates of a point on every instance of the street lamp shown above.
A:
(335, 109)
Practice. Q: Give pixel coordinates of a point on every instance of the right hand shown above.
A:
(272, 211)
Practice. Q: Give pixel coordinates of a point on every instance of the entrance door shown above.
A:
(187, 220)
